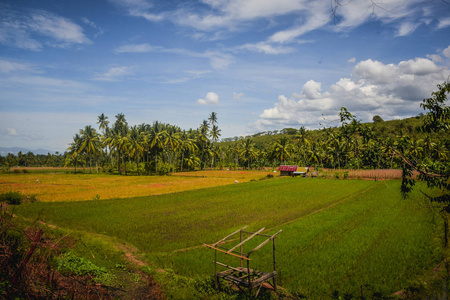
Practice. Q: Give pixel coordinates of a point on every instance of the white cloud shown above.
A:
(389, 90)
(311, 90)
(444, 23)
(211, 98)
(11, 132)
(137, 48)
(218, 60)
(114, 73)
(42, 82)
(138, 8)
(407, 28)
(418, 66)
(34, 30)
(446, 52)
(374, 71)
(266, 48)
(237, 96)
(99, 30)
(435, 57)
(9, 66)
(317, 18)
(352, 60)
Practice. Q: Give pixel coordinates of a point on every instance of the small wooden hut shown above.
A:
(292, 171)
(243, 276)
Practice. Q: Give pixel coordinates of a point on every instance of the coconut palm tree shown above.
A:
(248, 151)
(103, 122)
(171, 144)
(118, 141)
(213, 119)
(282, 149)
(156, 140)
(187, 146)
(135, 146)
(215, 133)
(74, 150)
(90, 142)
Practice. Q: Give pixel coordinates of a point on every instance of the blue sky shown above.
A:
(259, 64)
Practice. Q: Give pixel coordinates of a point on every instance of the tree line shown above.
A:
(160, 148)
(30, 159)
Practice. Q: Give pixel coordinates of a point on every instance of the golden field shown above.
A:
(81, 187)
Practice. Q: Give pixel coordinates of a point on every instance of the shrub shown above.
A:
(163, 168)
(13, 198)
(71, 264)
(32, 198)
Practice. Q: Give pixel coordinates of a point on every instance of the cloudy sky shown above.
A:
(259, 64)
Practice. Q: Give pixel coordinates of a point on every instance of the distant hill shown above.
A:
(386, 129)
(14, 150)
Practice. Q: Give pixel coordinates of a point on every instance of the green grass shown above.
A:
(337, 234)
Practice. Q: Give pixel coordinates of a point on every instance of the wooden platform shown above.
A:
(240, 276)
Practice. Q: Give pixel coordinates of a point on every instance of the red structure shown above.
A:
(292, 171)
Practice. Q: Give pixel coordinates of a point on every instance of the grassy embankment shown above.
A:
(337, 234)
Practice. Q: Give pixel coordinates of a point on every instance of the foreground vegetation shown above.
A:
(363, 234)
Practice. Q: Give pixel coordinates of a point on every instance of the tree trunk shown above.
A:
(90, 163)
(137, 165)
(118, 162)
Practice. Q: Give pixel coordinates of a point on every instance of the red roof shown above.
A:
(287, 168)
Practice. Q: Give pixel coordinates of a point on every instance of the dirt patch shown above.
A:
(130, 254)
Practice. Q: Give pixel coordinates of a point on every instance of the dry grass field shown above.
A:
(81, 187)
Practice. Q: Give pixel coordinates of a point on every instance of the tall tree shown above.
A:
(74, 150)
(135, 145)
(213, 119)
(103, 122)
(156, 140)
(248, 151)
(282, 149)
(90, 142)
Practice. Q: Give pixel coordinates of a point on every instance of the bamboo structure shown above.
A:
(244, 277)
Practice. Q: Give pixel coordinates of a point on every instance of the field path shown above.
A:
(130, 252)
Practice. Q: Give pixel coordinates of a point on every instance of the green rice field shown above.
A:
(337, 235)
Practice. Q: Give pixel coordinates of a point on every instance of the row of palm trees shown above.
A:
(162, 148)
(149, 147)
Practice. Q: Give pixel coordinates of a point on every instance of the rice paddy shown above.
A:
(338, 235)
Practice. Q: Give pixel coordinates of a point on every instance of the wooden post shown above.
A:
(240, 241)
(249, 277)
(274, 267)
(215, 269)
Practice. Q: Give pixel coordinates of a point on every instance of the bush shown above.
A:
(13, 198)
(71, 264)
